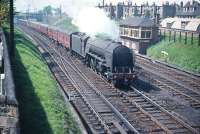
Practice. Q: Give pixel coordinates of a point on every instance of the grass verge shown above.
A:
(42, 108)
(182, 55)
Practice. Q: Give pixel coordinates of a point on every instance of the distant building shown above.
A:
(110, 10)
(138, 33)
(167, 10)
(189, 10)
(190, 24)
(122, 10)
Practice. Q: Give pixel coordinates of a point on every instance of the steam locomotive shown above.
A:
(107, 57)
(110, 58)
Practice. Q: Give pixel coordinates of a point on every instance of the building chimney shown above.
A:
(181, 3)
(193, 2)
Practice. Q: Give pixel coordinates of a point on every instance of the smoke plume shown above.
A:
(90, 19)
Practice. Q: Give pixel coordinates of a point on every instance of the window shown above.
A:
(131, 32)
(146, 34)
(143, 34)
(125, 31)
(121, 31)
(135, 33)
(183, 24)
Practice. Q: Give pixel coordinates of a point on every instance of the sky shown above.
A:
(22, 5)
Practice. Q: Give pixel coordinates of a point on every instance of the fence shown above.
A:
(175, 35)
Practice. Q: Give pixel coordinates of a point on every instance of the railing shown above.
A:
(2, 76)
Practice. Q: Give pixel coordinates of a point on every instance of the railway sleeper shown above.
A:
(163, 117)
(131, 94)
(146, 105)
(92, 119)
(158, 131)
(114, 129)
(175, 128)
(181, 131)
(169, 124)
(196, 106)
(107, 95)
(133, 110)
(139, 100)
(156, 114)
(151, 109)
(132, 106)
(96, 123)
(98, 127)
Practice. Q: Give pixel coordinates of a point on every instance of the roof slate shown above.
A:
(138, 22)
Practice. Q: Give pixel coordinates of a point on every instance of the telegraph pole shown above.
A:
(60, 11)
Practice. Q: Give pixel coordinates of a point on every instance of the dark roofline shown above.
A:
(138, 22)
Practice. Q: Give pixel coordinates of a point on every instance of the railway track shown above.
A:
(103, 107)
(189, 81)
(168, 118)
(192, 96)
(99, 114)
(154, 127)
(152, 109)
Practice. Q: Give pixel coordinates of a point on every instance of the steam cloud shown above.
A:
(90, 19)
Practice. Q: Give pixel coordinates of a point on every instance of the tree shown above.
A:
(40, 15)
(47, 11)
(58, 11)
(4, 11)
(7, 16)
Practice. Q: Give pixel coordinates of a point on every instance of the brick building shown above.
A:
(189, 10)
(122, 10)
(138, 33)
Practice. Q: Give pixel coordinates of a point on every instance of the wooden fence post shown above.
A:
(192, 38)
(185, 37)
(174, 36)
(160, 36)
(169, 35)
(180, 37)
(164, 34)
